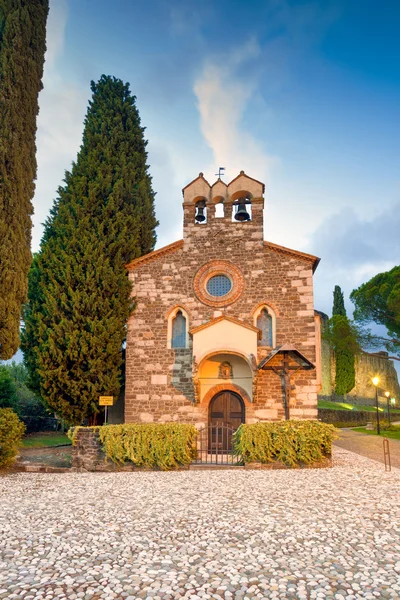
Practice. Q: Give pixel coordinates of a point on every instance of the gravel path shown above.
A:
(367, 445)
(326, 533)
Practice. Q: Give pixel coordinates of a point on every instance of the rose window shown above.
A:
(219, 285)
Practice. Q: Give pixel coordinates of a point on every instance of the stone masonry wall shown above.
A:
(366, 367)
(159, 385)
(87, 453)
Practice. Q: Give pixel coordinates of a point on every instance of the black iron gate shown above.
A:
(215, 446)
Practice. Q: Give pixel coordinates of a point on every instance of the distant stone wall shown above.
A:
(366, 367)
(346, 418)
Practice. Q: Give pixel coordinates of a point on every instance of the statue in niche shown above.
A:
(225, 371)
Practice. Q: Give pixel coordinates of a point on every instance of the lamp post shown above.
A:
(375, 381)
(387, 394)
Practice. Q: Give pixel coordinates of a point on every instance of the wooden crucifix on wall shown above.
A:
(288, 362)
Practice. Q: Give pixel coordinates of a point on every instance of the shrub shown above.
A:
(11, 432)
(289, 442)
(161, 445)
(386, 426)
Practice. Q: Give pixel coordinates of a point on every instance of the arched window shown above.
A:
(264, 323)
(219, 210)
(178, 328)
(264, 319)
(178, 331)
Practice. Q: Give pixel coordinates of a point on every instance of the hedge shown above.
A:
(288, 442)
(170, 445)
(154, 445)
(11, 432)
(346, 418)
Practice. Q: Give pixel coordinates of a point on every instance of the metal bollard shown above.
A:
(386, 454)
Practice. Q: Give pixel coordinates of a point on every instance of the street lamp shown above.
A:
(387, 394)
(375, 381)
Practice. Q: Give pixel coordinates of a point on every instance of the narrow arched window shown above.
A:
(264, 323)
(219, 210)
(179, 325)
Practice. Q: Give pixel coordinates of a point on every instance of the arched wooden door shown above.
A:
(226, 414)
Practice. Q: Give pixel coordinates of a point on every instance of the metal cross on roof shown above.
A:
(220, 172)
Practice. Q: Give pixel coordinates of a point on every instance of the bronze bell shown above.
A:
(200, 216)
(241, 212)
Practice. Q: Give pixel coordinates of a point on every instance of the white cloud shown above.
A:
(354, 249)
(60, 122)
(56, 23)
(223, 96)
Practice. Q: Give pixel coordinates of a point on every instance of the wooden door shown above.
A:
(226, 414)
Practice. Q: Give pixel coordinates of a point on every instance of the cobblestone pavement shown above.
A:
(328, 533)
(370, 446)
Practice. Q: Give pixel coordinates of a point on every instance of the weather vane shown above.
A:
(220, 172)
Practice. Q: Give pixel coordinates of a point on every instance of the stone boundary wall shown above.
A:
(356, 401)
(349, 418)
(88, 455)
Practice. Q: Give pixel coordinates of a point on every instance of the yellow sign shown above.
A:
(106, 400)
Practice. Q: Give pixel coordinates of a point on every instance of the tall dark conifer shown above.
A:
(345, 377)
(79, 292)
(22, 48)
(338, 302)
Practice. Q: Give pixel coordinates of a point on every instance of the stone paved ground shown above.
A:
(370, 446)
(327, 533)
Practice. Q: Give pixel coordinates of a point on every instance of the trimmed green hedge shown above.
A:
(11, 432)
(154, 445)
(171, 445)
(289, 442)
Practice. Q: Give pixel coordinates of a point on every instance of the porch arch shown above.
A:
(229, 387)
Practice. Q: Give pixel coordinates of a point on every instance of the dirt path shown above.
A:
(60, 456)
(370, 446)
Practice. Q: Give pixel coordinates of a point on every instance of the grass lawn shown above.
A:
(345, 406)
(45, 439)
(394, 435)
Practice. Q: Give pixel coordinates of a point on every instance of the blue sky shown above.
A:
(302, 95)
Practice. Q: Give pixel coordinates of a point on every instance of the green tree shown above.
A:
(23, 400)
(8, 389)
(79, 291)
(378, 301)
(22, 48)
(344, 343)
(338, 302)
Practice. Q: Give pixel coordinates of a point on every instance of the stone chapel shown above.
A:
(223, 328)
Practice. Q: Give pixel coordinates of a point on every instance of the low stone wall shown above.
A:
(346, 418)
(88, 455)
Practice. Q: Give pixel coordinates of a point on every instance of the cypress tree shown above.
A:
(338, 302)
(22, 48)
(79, 291)
(345, 376)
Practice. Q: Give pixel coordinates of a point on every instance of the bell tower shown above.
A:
(219, 210)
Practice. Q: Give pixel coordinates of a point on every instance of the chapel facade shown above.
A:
(215, 315)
